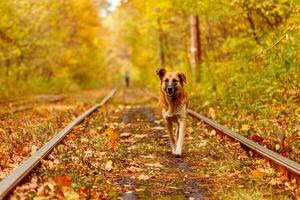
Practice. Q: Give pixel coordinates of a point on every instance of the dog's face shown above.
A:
(171, 82)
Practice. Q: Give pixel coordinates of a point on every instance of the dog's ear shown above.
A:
(161, 72)
(182, 78)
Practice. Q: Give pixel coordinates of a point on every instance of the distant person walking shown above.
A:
(127, 78)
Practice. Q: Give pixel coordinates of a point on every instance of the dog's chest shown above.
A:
(168, 113)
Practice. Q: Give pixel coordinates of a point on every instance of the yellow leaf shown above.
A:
(71, 195)
(212, 113)
(108, 165)
(155, 165)
(143, 177)
(245, 127)
(258, 174)
(112, 134)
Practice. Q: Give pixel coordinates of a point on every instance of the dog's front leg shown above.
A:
(176, 132)
(180, 136)
(171, 135)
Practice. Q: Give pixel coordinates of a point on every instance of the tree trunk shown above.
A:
(196, 52)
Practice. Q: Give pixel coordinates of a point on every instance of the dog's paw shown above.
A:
(178, 152)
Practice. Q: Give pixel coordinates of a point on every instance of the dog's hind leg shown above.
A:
(180, 136)
(171, 135)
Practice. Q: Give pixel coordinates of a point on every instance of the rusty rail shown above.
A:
(280, 163)
(7, 184)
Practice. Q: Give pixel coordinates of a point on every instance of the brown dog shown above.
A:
(174, 103)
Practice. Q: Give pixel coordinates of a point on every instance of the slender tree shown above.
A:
(196, 52)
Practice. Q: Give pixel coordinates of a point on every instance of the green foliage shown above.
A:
(49, 46)
(250, 64)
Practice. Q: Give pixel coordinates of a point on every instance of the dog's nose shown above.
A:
(170, 89)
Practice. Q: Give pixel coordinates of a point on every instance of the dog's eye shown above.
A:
(167, 80)
(174, 81)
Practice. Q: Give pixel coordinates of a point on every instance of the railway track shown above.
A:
(289, 168)
(138, 120)
(11, 181)
(11, 100)
(31, 99)
(21, 104)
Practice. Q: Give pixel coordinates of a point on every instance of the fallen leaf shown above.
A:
(293, 138)
(112, 134)
(2, 155)
(157, 165)
(140, 135)
(134, 169)
(143, 177)
(284, 153)
(129, 141)
(203, 143)
(274, 182)
(158, 128)
(161, 141)
(212, 113)
(285, 145)
(108, 165)
(92, 132)
(258, 174)
(71, 195)
(132, 147)
(21, 150)
(125, 135)
(245, 127)
(157, 121)
(257, 138)
(83, 190)
(112, 144)
(213, 132)
(63, 180)
(149, 156)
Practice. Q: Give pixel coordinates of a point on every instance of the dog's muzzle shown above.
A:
(170, 91)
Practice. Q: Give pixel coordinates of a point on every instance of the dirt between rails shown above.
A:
(122, 152)
(146, 115)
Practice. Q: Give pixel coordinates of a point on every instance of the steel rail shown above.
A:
(32, 98)
(7, 184)
(292, 167)
(40, 99)
(27, 107)
(6, 101)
